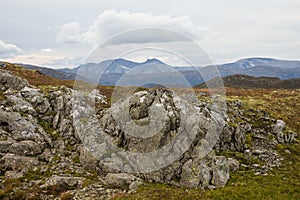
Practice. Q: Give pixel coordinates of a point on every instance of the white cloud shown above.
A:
(64, 62)
(9, 50)
(71, 33)
(111, 22)
(57, 59)
(47, 50)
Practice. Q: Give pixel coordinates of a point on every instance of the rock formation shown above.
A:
(153, 135)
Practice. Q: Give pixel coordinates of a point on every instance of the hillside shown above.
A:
(49, 72)
(58, 134)
(245, 81)
(37, 78)
(34, 76)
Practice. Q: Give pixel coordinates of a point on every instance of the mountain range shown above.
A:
(125, 72)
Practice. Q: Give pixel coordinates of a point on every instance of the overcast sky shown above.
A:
(64, 33)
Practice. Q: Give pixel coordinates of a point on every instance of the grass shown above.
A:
(281, 183)
(46, 82)
(36, 78)
(2, 96)
(280, 104)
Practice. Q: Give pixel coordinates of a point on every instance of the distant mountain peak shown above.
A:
(153, 61)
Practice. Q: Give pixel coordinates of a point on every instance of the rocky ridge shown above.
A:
(45, 141)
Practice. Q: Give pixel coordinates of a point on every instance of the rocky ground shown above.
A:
(49, 145)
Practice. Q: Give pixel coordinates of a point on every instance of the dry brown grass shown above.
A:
(36, 78)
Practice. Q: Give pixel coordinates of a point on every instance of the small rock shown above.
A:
(211, 187)
(88, 161)
(25, 148)
(258, 152)
(13, 174)
(61, 181)
(255, 165)
(220, 169)
(243, 165)
(19, 163)
(134, 185)
(279, 126)
(234, 164)
(239, 139)
(287, 151)
(120, 179)
(5, 145)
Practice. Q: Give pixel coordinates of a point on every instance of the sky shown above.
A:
(61, 34)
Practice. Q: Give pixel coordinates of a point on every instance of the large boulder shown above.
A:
(158, 136)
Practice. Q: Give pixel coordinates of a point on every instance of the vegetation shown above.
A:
(2, 96)
(66, 196)
(281, 183)
(45, 82)
(245, 81)
(35, 77)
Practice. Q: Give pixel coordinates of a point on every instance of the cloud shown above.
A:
(47, 50)
(9, 50)
(64, 62)
(71, 33)
(57, 59)
(111, 22)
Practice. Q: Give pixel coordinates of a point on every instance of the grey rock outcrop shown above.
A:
(8, 81)
(146, 122)
(152, 135)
